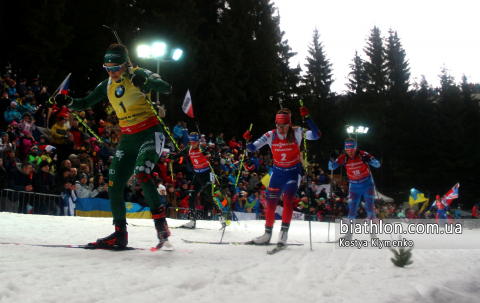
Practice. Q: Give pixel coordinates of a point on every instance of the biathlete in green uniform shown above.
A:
(203, 181)
(142, 141)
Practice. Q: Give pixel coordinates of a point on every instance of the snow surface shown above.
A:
(218, 273)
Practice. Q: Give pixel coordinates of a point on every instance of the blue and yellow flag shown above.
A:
(95, 207)
(266, 179)
(416, 197)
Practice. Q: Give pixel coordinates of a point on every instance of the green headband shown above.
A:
(114, 56)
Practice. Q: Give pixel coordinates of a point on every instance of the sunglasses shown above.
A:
(283, 125)
(113, 69)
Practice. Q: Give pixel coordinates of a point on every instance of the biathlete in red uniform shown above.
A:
(284, 141)
(203, 175)
(361, 183)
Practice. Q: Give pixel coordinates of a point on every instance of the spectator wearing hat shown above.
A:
(12, 91)
(163, 167)
(33, 156)
(59, 133)
(87, 146)
(85, 190)
(183, 190)
(35, 87)
(74, 161)
(96, 149)
(47, 156)
(77, 133)
(12, 114)
(43, 180)
(101, 128)
(178, 180)
(162, 190)
(178, 132)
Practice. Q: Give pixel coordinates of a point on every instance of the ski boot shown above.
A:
(163, 232)
(265, 239)
(117, 240)
(193, 223)
(221, 218)
(283, 236)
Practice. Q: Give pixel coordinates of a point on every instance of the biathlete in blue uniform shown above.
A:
(361, 183)
(284, 141)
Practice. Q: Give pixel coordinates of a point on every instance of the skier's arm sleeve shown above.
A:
(154, 82)
(374, 162)
(179, 154)
(314, 133)
(98, 94)
(333, 164)
(265, 139)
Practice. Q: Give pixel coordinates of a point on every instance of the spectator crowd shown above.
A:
(50, 150)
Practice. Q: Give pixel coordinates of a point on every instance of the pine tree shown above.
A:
(402, 257)
(376, 66)
(357, 77)
(318, 78)
(398, 70)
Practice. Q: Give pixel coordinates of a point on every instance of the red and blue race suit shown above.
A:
(287, 171)
(361, 182)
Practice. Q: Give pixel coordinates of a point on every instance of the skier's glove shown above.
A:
(366, 159)
(247, 135)
(304, 112)
(62, 100)
(139, 80)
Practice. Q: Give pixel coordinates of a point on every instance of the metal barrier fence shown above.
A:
(29, 202)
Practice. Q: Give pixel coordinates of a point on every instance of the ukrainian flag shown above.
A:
(95, 207)
(266, 179)
(416, 197)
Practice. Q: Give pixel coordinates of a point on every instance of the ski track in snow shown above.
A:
(215, 273)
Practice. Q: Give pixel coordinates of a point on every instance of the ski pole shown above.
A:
(306, 177)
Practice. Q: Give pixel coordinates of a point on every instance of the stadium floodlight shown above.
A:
(177, 53)
(350, 129)
(143, 51)
(158, 49)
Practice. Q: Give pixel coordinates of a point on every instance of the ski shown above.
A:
(89, 247)
(277, 249)
(237, 243)
(165, 246)
(172, 227)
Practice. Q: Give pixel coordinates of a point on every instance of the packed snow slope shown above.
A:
(218, 273)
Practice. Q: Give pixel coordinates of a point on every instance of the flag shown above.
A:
(96, 207)
(187, 105)
(266, 179)
(63, 88)
(426, 202)
(416, 197)
(451, 194)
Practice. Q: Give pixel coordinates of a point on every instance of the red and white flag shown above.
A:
(63, 88)
(451, 194)
(187, 105)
